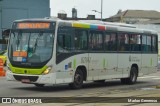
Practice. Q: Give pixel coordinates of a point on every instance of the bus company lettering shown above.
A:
(134, 59)
(85, 59)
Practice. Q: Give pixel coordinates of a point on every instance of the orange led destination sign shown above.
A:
(33, 25)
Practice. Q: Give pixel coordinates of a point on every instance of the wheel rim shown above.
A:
(133, 76)
(78, 80)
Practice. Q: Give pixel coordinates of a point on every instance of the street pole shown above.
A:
(101, 9)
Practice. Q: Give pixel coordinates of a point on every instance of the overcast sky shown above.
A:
(110, 7)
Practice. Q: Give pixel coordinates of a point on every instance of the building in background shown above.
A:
(11, 10)
(145, 19)
(134, 16)
(63, 15)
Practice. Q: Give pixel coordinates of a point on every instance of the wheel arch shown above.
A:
(136, 66)
(84, 71)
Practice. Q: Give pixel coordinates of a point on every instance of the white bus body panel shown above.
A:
(42, 79)
(65, 70)
(149, 64)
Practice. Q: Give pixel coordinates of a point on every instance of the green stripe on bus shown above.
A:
(74, 63)
(86, 26)
(79, 25)
(29, 71)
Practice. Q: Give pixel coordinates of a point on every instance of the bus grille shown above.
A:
(31, 78)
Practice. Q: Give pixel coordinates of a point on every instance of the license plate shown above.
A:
(25, 81)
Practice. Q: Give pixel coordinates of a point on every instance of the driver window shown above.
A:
(65, 40)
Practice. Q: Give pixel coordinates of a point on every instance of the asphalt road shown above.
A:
(145, 87)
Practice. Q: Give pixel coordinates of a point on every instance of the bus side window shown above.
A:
(149, 43)
(96, 41)
(63, 43)
(80, 40)
(146, 43)
(123, 42)
(65, 40)
(135, 42)
(154, 44)
(110, 42)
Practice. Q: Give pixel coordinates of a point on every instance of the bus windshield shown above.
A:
(31, 46)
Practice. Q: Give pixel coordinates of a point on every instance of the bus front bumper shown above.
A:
(32, 79)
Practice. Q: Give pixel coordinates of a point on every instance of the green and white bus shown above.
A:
(52, 51)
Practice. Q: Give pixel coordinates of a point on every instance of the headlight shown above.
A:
(47, 70)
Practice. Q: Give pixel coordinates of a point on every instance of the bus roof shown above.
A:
(92, 24)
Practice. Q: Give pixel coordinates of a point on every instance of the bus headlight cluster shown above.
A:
(47, 70)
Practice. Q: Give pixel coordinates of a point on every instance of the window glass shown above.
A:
(96, 41)
(65, 40)
(36, 46)
(146, 43)
(110, 42)
(135, 42)
(45, 42)
(149, 43)
(154, 44)
(144, 40)
(80, 40)
(123, 42)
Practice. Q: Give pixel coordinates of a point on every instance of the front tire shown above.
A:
(132, 79)
(78, 80)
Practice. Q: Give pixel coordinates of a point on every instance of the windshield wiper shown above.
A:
(35, 45)
(18, 39)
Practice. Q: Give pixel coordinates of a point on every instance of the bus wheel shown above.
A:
(78, 80)
(132, 78)
(39, 85)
